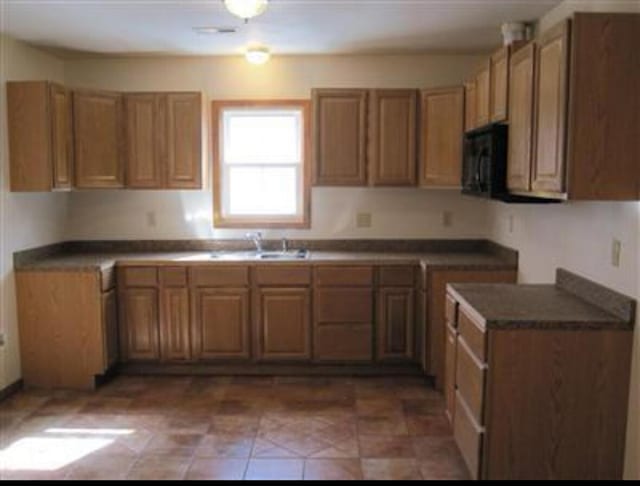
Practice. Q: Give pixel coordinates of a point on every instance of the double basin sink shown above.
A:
(301, 254)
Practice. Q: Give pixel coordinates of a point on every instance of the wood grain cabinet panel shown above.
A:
(450, 373)
(145, 139)
(470, 105)
(393, 137)
(483, 95)
(283, 324)
(521, 98)
(550, 110)
(184, 141)
(442, 129)
(40, 136)
(98, 135)
(396, 323)
(110, 328)
(499, 82)
(174, 332)
(140, 326)
(220, 328)
(340, 135)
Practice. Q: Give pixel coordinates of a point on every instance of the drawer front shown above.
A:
(470, 377)
(344, 276)
(451, 311)
(140, 276)
(343, 305)
(282, 275)
(472, 334)
(468, 437)
(396, 276)
(219, 276)
(108, 278)
(173, 276)
(343, 342)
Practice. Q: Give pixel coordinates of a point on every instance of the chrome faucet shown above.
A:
(285, 245)
(257, 240)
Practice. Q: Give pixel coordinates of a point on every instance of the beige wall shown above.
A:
(406, 213)
(26, 220)
(578, 236)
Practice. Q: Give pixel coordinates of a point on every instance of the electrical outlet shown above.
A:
(363, 220)
(151, 219)
(510, 223)
(447, 219)
(616, 249)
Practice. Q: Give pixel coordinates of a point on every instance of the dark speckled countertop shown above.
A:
(463, 254)
(571, 303)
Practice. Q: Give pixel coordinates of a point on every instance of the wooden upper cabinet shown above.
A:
(283, 324)
(40, 136)
(483, 95)
(392, 137)
(552, 60)
(145, 139)
(442, 129)
(184, 140)
(339, 139)
(470, 105)
(98, 135)
(499, 83)
(521, 98)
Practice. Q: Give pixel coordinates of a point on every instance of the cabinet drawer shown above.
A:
(396, 276)
(470, 376)
(468, 436)
(451, 311)
(343, 342)
(219, 276)
(344, 275)
(473, 334)
(173, 276)
(282, 275)
(343, 305)
(139, 277)
(108, 278)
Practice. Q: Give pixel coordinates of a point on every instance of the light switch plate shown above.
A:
(363, 220)
(1, 339)
(616, 249)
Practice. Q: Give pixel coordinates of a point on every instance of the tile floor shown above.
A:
(230, 428)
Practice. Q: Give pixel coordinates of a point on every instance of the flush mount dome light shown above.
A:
(246, 9)
(257, 54)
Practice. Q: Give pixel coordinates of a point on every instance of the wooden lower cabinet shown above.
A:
(450, 373)
(174, 324)
(110, 327)
(395, 324)
(140, 336)
(283, 324)
(220, 328)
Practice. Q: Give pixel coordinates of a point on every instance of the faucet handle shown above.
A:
(285, 245)
(253, 235)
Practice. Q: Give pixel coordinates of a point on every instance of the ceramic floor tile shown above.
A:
(159, 467)
(225, 446)
(103, 467)
(377, 446)
(173, 444)
(390, 469)
(428, 425)
(275, 469)
(217, 469)
(383, 425)
(332, 470)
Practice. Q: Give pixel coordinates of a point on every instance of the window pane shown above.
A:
(263, 191)
(262, 136)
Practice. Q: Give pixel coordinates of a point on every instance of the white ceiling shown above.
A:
(288, 26)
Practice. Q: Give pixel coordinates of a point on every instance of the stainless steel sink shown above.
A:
(263, 255)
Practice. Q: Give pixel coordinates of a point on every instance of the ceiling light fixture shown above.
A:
(257, 55)
(246, 9)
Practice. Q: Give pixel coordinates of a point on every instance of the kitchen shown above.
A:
(597, 240)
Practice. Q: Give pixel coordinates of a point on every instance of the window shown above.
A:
(261, 173)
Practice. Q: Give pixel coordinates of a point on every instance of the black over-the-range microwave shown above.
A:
(484, 165)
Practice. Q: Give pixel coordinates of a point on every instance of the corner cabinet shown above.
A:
(441, 133)
(99, 139)
(339, 137)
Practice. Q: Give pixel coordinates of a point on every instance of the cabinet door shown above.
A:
(144, 141)
(396, 324)
(521, 119)
(392, 137)
(110, 327)
(174, 331)
(551, 110)
(442, 130)
(339, 137)
(61, 136)
(499, 82)
(98, 127)
(483, 95)
(220, 327)
(140, 324)
(470, 105)
(450, 373)
(283, 324)
(184, 141)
